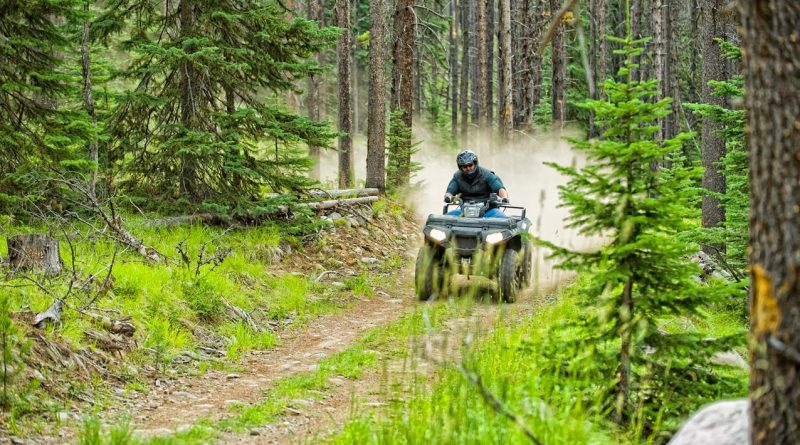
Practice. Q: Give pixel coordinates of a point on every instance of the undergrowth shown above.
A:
(186, 302)
(541, 371)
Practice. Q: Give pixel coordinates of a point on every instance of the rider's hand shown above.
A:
(504, 200)
(448, 198)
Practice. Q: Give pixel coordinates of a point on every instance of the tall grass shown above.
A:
(541, 370)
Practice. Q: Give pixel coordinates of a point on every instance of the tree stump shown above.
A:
(26, 252)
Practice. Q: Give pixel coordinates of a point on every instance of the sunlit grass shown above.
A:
(540, 372)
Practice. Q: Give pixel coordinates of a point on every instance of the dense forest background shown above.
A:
(120, 107)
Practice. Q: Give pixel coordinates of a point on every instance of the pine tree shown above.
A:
(202, 121)
(37, 129)
(643, 273)
(732, 232)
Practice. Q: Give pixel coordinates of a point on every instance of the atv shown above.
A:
(472, 244)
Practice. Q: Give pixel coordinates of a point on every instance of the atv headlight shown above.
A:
(494, 237)
(438, 235)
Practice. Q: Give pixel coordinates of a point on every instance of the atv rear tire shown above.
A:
(527, 266)
(509, 277)
(427, 273)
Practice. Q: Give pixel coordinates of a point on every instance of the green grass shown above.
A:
(168, 302)
(379, 343)
(540, 372)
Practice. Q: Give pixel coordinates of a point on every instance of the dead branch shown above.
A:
(112, 220)
(243, 315)
(123, 327)
(557, 19)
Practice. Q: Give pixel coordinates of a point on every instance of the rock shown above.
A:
(257, 431)
(729, 358)
(721, 423)
(334, 216)
(370, 260)
(232, 376)
(62, 416)
(357, 250)
(353, 222)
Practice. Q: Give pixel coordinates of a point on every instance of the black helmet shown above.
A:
(466, 157)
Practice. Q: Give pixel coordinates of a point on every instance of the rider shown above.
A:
(475, 183)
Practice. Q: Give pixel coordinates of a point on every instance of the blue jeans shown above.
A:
(491, 213)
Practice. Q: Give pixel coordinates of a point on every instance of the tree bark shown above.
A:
(88, 98)
(523, 109)
(505, 64)
(402, 77)
(465, 61)
(26, 252)
(473, 57)
(559, 69)
(673, 125)
(483, 80)
(376, 120)
(453, 68)
(659, 56)
(772, 79)
(713, 146)
(537, 56)
(343, 62)
(490, 27)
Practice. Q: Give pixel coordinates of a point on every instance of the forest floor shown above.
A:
(322, 371)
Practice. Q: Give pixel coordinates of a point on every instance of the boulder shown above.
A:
(720, 423)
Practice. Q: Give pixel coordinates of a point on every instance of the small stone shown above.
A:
(293, 410)
(62, 416)
(370, 260)
(232, 376)
(334, 216)
(17, 440)
(256, 431)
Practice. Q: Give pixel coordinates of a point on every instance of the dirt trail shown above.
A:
(310, 420)
(210, 396)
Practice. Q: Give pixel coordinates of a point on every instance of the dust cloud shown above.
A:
(521, 166)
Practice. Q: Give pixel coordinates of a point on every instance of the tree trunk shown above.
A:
(464, 11)
(88, 98)
(376, 120)
(505, 64)
(673, 124)
(537, 57)
(559, 69)
(490, 27)
(626, 339)
(772, 80)
(453, 68)
(483, 80)
(343, 62)
(473, 57)
(659, 56)
(694, 55)
(26, 252)
(522, 104)
(313, 96)
(713, 146)
(402, 76)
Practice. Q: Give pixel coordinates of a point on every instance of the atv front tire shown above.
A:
(509, 277)
(427, 273)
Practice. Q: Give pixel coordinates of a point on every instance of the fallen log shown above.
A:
(281, 210)
(122, 327)
(333, 203)
(353, 193)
